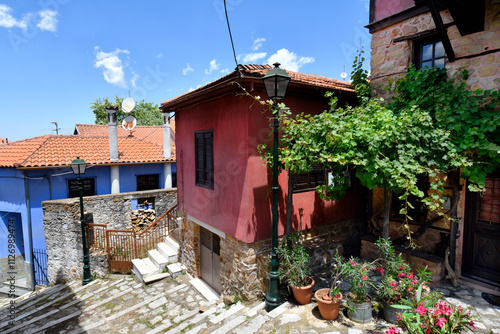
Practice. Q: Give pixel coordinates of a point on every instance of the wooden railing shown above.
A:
(124, 245)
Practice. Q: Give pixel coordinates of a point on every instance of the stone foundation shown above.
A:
(245, 267)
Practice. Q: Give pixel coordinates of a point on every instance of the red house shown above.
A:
(224, 188)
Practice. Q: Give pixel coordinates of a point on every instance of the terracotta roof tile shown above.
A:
(253, 70)
(60, 150)
(152, 134)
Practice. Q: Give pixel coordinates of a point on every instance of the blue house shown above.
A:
(37, 169)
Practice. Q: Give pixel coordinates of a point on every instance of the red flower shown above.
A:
(440, 322)
(393, 330)
(410, 275)
(364, 278)
(401, 275)
(421, 309)
(352, 263)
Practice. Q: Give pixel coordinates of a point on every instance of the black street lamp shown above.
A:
(276, 83)
(79, 167)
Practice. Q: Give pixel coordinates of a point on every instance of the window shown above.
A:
(429, 52)
(148, 182)
(88, 187)
(308, 181)
(204, 155)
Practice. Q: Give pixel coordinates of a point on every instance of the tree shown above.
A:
(433, 126)
(146, 113)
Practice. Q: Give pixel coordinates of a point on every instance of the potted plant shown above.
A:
(398, 281)
(431, 315)
(294, 267)
(357, 273)
(329, 298)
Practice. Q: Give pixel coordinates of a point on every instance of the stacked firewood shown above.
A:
(142, 218)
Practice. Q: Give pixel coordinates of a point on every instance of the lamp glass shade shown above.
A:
(78, 165)
(276, 82)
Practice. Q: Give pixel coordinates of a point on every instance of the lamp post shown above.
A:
(78, 165)
(276, 83)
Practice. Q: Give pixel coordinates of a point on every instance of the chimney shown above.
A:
(113, 134)
(167, 154)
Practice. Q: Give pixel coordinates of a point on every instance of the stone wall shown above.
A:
(390, 57)
(245, 267)
(62, 228)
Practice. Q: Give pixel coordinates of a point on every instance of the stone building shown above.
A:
(224, 188)
(456, 35)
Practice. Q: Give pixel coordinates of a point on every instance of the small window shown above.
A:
(204, 151)
(148, 182)
(88, 187)
(429, 53)
(309, 181)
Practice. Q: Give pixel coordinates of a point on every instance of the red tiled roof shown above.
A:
(60, 150)
(257, 71)
(153, 134)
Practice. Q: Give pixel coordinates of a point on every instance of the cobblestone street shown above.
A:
(118, 304)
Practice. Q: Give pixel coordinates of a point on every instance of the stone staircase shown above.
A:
(160, 263)
(119, 304)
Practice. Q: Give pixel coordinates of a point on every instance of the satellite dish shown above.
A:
(128, 104)
(343, 75)
(129, 123)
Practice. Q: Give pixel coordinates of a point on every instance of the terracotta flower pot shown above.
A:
(329, 309)
(303, 294)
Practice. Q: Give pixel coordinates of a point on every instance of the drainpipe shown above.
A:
(113, 149)
(167, 154)
(30, 233)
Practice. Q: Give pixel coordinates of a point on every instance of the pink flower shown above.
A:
(410, 288)
(410, 275)
(352, 263)
(415, 281)
(393, 283)
(401, 275)
(380, 269)
(421, 309)
(440, 322)
(364, 278)
(393, 330)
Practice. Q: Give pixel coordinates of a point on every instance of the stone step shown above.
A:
(158, 260)
(172, 242)
(17, 291)
(204, 289)
(174, 269)
(141, 269)
(168, 251)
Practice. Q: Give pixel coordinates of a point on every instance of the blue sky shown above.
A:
(58, 56)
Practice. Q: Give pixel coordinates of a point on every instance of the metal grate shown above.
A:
(41, 268)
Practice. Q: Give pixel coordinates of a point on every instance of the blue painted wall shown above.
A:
(47, 184)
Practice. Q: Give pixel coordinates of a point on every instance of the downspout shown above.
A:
(30, 234)
(50, 186)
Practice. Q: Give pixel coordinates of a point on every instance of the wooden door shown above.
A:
(481, 254)
(210, 259)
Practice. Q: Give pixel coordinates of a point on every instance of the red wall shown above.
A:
(240, 203)
(386, 8)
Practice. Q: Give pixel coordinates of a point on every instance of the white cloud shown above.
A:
(133, 81)
(48, 20)
(252, 58)
(366, 3)
(289, 60)
(213, 67)
(8, 21)
(225, 71)
(112, 66)
(188, 69)
(159, 55)
(257, 43)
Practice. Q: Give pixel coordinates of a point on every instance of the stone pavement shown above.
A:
(118, 304)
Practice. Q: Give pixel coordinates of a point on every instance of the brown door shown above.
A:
(481, 257)
(210, 258)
